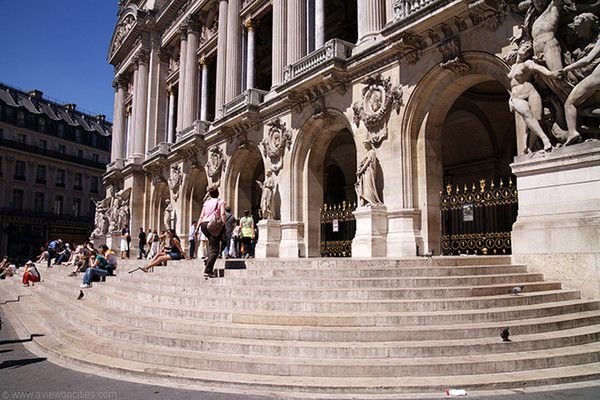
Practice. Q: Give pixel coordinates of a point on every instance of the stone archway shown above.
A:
(427, 111)
(311, 155)
(245, 167)
(160, 195)
(193, 191)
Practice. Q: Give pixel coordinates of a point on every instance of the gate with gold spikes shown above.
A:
(338, 227)
(478, 220)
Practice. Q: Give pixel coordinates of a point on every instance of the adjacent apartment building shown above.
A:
(52, 158)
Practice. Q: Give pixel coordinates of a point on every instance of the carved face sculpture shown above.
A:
(374, 99)
(585, 25)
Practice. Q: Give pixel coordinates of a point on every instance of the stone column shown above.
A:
(140, 105)
(250, 55)
(128, 130)
(119, 131)
(279, 57)
(132, 114)
(389, 10)
(204, 90)
(221, 59)
(190, 97)
(157, 101)
(320, 23)
(181, 89)
(234, 51)
(296, 40)
(371, 17)
(170, 137)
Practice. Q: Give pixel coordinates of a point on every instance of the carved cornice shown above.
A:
(410, 46)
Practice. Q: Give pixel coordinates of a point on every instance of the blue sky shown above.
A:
(60, 48)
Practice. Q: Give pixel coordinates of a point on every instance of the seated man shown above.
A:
(98, 267)
(111, 258)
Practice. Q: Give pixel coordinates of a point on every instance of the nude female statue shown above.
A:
(524, 98)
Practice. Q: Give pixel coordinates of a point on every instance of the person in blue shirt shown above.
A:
(53, 248)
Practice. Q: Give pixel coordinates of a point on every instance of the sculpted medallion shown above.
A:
(379, 98)
(274, 144)
(216, 164)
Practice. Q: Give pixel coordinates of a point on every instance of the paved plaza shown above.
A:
(26, 376)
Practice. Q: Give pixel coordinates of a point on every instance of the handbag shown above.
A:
(215, 223)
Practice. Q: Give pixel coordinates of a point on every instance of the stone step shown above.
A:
(335, 305)
(268, 365)
(195, 277)
(338, 327)
(343, 387)
(82, 318)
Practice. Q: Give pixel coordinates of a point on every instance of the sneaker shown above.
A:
(85, 285)
(247, 256)
(80, 295)
(103, 279)
(72, 274)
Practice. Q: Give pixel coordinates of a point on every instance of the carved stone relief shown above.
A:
(452, 57)
(215, 165)
(174, 181)
(555, 74)
(379, 98)
(112, 214)
(278, 138)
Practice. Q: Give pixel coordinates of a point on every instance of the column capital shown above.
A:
(202, 60)
(192, 24)
(183, 28)
(171, 89)
(129, 110)
(249, 24)
(142, 57)
(119, 82)
(164, 55)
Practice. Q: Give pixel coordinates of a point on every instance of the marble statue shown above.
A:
(586, 28)
(366, 188)
(524, 98)
(174, 182)
(266, 199)
(169, 215)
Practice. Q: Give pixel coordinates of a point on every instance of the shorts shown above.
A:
(173, 255)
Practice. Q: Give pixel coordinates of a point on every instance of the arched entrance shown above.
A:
(159, 203)
(323, 170)
(478, 145)
(194, 191)
(461, 131)
(246, 167)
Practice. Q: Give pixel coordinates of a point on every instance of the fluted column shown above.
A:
(250, 55)
(296, 39)
(371, 17)
(119, 121)
(234, 51)
(221, 58)
(204, 90)
(190, 98)
(389, 10)
(140, 105)
(320, 23)
(128, 130)
(171, 121)
(181, 89)
(279, 54)
(132, 113)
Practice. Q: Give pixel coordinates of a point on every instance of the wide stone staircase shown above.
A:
(376, 328)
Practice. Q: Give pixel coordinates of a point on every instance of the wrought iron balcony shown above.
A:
(335, 49)
(250, 97)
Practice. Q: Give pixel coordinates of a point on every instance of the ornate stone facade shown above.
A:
(437, 87)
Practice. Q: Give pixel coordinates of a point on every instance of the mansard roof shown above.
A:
(36, 104)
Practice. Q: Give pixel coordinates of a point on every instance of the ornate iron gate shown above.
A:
(338, 227)
(479, 220)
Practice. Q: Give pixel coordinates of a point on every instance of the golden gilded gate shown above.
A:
(338, 227)
(478, 220)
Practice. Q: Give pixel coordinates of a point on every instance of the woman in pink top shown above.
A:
(212, 205)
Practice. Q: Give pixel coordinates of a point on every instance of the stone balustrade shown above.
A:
(405, 10)
(333, 49)
(250, 97)
(161, 149)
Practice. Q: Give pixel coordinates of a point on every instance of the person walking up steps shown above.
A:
(213, 205)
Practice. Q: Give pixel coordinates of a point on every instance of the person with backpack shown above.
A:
(246, 233)
(213, 208)
(31, 274)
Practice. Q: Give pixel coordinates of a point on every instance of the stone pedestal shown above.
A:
(291, 239)
(404, 237)
(371, 232)
(269, 237)
(557, 231)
